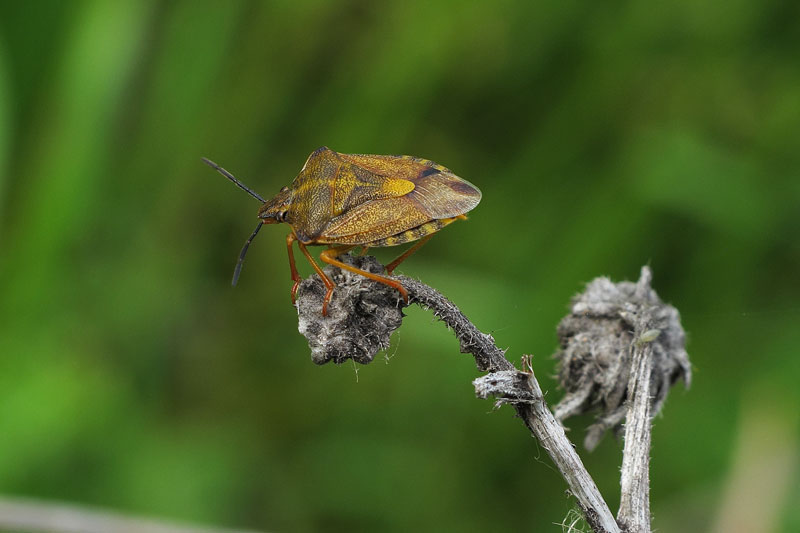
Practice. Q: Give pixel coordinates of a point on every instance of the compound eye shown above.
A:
(281, 216)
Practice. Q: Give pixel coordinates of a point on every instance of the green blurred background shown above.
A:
(604, 136)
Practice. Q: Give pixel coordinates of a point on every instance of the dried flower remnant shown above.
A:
(596, 340)
(362, 314)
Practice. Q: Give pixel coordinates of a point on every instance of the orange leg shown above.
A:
(325, 279)
(295, 275)
(417, 245)
(329, 256)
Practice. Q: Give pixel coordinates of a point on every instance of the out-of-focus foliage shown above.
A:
(603, 136)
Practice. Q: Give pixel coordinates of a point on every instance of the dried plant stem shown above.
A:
(642, 360)
(550, 433)
(523, 391)
(634, 508)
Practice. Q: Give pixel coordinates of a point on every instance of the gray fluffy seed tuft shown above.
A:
(362, 313)
(595, 357)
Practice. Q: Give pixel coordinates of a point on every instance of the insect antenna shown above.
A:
(238, 183)
(240, 262)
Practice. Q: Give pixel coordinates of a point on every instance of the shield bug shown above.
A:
(347, 200)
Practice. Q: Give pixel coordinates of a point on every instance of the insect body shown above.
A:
(349, 200)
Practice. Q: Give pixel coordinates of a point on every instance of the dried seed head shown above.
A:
(596, 340)
(362, 313)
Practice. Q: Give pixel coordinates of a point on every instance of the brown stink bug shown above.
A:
(349, 200)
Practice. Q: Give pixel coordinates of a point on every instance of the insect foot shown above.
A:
(361, 315)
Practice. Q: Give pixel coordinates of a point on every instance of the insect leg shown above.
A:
(295, 275)
(325, 279)
(329, 256)
(416, 246)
